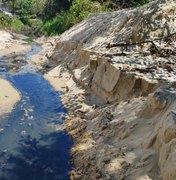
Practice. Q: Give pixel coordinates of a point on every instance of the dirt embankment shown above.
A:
(118, 72)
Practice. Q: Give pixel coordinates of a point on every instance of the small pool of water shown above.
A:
(34, 145)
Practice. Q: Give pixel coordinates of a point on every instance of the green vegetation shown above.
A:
(5, 21)
(78, 11)
(17, 25)
(81, 9)
(14, 24)
(51, 17)
(58, 24)
(140, 2)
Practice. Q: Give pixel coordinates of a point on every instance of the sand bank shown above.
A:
(132, 134)
(9, 96)
(12, 43)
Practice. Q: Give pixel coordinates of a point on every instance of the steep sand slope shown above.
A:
(119, 74)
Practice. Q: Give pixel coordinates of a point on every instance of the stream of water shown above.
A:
(33, 144)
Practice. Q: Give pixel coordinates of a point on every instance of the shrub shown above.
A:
(5, 21)
(35, 26)
(79, 10)
(58, 24)
(140, 2)
(11, 23)
(17, 25)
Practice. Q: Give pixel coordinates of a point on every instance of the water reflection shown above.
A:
(36, 161)
(33, 144)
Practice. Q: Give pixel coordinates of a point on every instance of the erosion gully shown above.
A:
(33, 142)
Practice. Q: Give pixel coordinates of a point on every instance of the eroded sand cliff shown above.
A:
(118, 71)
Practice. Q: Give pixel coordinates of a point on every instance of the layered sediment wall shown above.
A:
(119, 74)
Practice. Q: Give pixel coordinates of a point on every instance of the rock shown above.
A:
(93, 63)
(109, 77)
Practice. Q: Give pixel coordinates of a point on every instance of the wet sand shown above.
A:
(9, 96)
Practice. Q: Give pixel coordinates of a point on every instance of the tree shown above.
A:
(13, 7)
(53, 7)
(12, 4)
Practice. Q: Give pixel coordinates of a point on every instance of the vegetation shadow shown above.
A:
(45, 159)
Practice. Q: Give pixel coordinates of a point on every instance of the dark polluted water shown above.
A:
(33, 144)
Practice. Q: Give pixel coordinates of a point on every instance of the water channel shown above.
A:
(33, 143)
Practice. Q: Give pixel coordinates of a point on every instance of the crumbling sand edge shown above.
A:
(40, 59)
(132, 134)
(91, 121)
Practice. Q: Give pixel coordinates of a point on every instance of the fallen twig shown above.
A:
(154, 48)
(109, 45)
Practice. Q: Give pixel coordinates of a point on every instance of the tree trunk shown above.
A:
(13, 7)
